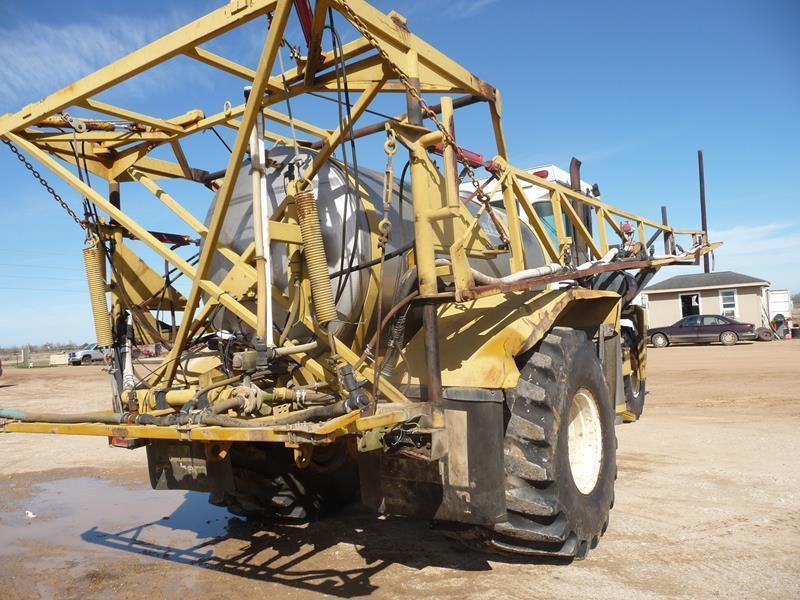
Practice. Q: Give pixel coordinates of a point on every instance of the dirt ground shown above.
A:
(707, 505)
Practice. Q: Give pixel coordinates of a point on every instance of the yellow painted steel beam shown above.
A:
(535, 221)
(396, 40)
(252, 108)
(186, 216)
(283, 119)
(307, 433)
(579, 225)
(331, 141)
(129, 115)
(122, 137)
(599, 212)
(203, 29)
(140, 232)
(315, 41)
(594, 202)
(181, 158)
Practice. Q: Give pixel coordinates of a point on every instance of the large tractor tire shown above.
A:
(634, 394)
(269, 485)
(633, 385)
(560, 452)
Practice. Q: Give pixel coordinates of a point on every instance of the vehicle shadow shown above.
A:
(300, 556)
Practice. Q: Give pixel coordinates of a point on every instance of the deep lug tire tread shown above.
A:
(269, 486)
(545, 518)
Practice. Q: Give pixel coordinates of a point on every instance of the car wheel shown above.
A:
(764, 334)
(659, 340)
(85, 360)
(728, 338)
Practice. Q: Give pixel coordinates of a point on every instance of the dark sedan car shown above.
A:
(697, 329)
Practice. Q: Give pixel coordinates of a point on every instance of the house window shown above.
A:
(690, 304)
(727, 299)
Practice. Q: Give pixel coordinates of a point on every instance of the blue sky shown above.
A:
(632, 88)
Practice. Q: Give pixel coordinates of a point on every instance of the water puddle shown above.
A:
(87, 513)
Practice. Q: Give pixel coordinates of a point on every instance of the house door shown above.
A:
(690, 305)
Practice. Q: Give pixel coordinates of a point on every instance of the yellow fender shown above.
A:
(480, 339)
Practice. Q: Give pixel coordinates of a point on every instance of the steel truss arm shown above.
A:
(199, 31)
(253, 106)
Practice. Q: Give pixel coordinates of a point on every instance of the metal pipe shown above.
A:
(261, 234)
(669, 238)
(703, 216)
(423, 232)
(450, 161)
(581, 246)
(287, 350)
(430, 324)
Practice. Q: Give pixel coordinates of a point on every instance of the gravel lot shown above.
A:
(707, 505)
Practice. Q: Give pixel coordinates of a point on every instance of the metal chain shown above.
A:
(44, 183)
(429, 112)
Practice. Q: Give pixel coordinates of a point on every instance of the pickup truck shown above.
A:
(86, 354)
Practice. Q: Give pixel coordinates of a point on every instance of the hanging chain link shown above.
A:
(359, 24)
(44, 183)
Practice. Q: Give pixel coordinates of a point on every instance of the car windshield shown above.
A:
(85, 347)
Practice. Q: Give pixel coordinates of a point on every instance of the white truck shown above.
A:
(86, 354)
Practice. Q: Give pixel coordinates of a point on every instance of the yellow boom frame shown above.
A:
(384, 50)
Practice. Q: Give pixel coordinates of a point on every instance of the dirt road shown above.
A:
(707, 505)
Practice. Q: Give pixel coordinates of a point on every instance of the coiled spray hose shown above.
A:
(316, 261)
(92, 260)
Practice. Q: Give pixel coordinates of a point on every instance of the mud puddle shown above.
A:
(99, 516)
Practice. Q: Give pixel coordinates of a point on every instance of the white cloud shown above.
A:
(443, 9)
(470, 8)
(39, 58)
(770, 250)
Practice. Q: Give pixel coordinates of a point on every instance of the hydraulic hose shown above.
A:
(110, 418)
(408, 283)
(316, 261)
(284, 395)
(315, 413)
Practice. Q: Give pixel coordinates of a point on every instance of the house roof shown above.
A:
(718, 279)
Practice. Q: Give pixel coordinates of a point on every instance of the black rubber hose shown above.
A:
(408, 283)
(315, 413)
(374, 261)
(146, 419)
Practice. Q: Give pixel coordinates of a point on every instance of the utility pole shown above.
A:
(703, 218)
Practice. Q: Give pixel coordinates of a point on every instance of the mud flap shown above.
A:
(461, 479)
(185, 466)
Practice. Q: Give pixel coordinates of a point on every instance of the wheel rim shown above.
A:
(585, 441)
(728, 338)
(635, 384)
(659, 340)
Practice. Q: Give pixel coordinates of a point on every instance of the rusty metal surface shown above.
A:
(527, 284)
